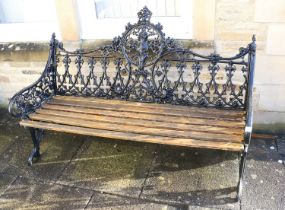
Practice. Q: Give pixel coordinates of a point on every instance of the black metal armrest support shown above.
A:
(249, 114)
(30, 98)
(249, 106)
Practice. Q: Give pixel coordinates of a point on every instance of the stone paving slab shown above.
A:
(5, 181)
(107, 202)
(193, 176)
(6, 141)
(8, 137)
(263, 150)
(281, 145)
(4, 115)
(29, 194)
(56, 148)
(264, 186)
(264, 145)
(110, 166)
(77, 172)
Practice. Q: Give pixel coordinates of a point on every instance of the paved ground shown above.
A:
(76, 172)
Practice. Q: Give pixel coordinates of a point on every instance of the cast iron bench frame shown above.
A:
(141, 56)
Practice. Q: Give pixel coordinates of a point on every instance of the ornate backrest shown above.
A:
(144, 65)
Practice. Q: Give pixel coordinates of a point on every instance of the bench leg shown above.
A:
(36, 135)
(241, 172)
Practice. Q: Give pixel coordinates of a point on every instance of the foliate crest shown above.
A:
(144, 15)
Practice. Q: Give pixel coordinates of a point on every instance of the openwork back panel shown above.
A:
(144, 65)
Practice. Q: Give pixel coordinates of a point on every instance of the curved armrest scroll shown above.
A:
(31, 97)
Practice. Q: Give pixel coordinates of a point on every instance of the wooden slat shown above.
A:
(172, 119)
(137, 129)
(133, 136)
(214, 111)
(141, 109)
(145, 123)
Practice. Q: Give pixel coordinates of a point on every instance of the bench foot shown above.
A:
(241, 172)
(239, 190)
(36, 135)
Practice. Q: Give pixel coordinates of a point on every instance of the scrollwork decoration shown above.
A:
(31, 97)
(141, 65)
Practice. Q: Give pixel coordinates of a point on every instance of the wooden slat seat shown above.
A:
(144, 122)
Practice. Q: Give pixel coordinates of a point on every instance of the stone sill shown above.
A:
(23, 46)
(44, 46)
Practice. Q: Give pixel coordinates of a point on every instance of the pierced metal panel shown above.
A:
(143, 65)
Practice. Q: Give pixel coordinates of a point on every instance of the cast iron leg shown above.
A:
(37, 135)
(241, 171)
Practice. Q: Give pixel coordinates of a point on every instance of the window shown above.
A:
(27, 20)
(105, 19)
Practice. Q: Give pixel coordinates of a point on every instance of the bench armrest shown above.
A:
(249, 106)
(30, 98)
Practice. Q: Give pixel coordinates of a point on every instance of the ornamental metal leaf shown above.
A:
(141, 65)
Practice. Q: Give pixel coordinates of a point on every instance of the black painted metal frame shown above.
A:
(148, 67)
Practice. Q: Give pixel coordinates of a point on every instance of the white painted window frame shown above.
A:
(107, 28)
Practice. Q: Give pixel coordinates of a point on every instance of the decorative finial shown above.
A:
(252, 45)
(144, 14)
(53, 40)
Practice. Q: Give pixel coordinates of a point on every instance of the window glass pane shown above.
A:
(105, 19)
(129, 8)
(24, 11)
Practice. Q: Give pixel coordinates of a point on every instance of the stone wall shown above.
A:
(235, 22)
(218, 25)
(20, 65)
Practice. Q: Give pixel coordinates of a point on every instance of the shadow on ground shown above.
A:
(77, 172)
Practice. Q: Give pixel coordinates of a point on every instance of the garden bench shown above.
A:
(143, 87)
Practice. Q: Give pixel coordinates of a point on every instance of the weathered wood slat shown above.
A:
(145, 123)
(167, 107)
(141, 109)
(73, 121)
(172, 119)
(134, 137)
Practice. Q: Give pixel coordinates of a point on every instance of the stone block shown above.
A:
(269, 11)
(235, 36)
(269, 117)
(231, 48)
(68, 20)
(275, 44)
(271, 97)
(4, 64)
(20, 64)
(268, 69)
(38, 64)
(4, 79)
(234, 10)
(240, 30)
(255, 99)
(203, 22)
